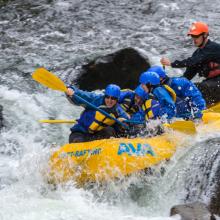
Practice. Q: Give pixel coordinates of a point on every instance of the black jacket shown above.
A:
(199, 61)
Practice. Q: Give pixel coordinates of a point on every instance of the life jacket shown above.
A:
(128, 104)
(100, 121)
(151, 108)
(171, 92)
(214, 70)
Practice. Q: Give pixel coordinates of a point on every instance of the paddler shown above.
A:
(162, 95)
(131, 101)
(205, 61)
(139, 104)
(92, 124)
(189, 102)
(140, 107)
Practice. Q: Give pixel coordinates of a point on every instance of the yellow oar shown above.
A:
(56, 121)
(210, 117)
(187, 127)
(214, 108)
(48, 79)
(182, 126)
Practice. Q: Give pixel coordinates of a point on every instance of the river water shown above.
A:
(61, 35)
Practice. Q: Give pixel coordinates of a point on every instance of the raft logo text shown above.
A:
(80, 153)
(138, 150)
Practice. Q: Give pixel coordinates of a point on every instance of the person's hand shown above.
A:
(123, 121)
(165, 61)
(69, 92)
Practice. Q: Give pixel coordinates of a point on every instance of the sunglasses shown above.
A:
(196, 36)
(110, 97)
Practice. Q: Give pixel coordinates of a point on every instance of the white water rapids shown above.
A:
(61, 35)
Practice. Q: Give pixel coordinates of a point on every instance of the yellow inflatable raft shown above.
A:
(106, 159)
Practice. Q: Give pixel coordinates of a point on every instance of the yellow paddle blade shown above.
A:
(187, 127)
(214, 108)
(210, 117)
(48, 79)
(58, 121)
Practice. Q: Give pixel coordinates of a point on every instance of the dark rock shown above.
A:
(210, 90)
(215, 200)
(123, 68)
(192, 211)
(1, 117)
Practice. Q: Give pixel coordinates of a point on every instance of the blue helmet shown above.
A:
(149, 78)
(113, 90)
(159, 70)
(141, 92)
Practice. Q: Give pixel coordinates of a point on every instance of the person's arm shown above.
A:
(139, 116)
(167, 104)
(190, 72)
(91, 97)
(163, 96)
(197, 101)
(189, 62)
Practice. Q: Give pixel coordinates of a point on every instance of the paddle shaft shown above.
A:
(100, 110)
(57, 121)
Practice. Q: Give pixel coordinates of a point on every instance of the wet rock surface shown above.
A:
(122, 67)
(215, 200)
(192, 211)
(1, 117)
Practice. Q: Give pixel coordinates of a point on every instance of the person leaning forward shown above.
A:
(189, 101)
(205, 61)
(92, 124)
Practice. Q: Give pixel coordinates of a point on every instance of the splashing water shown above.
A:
(62, 35)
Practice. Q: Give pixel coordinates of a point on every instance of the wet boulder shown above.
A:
(1, 117)
(196, 210)
(122, 67)
(210, 90)
(215, 200)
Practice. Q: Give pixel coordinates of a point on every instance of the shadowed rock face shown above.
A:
(123, 68)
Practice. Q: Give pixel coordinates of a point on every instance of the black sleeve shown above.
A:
(190, 73)
(181, 63)
(197, 58)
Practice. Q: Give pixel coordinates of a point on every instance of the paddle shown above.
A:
(187, 127)
(213, 108)
(210, 117)
(50, 80)
(56, 121)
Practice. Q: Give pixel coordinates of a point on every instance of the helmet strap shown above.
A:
(204, 41)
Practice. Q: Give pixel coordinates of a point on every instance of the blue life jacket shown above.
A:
(150, 109)
(190, 102)
(92, 121)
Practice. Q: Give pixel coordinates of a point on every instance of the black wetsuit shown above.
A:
(201, 62)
